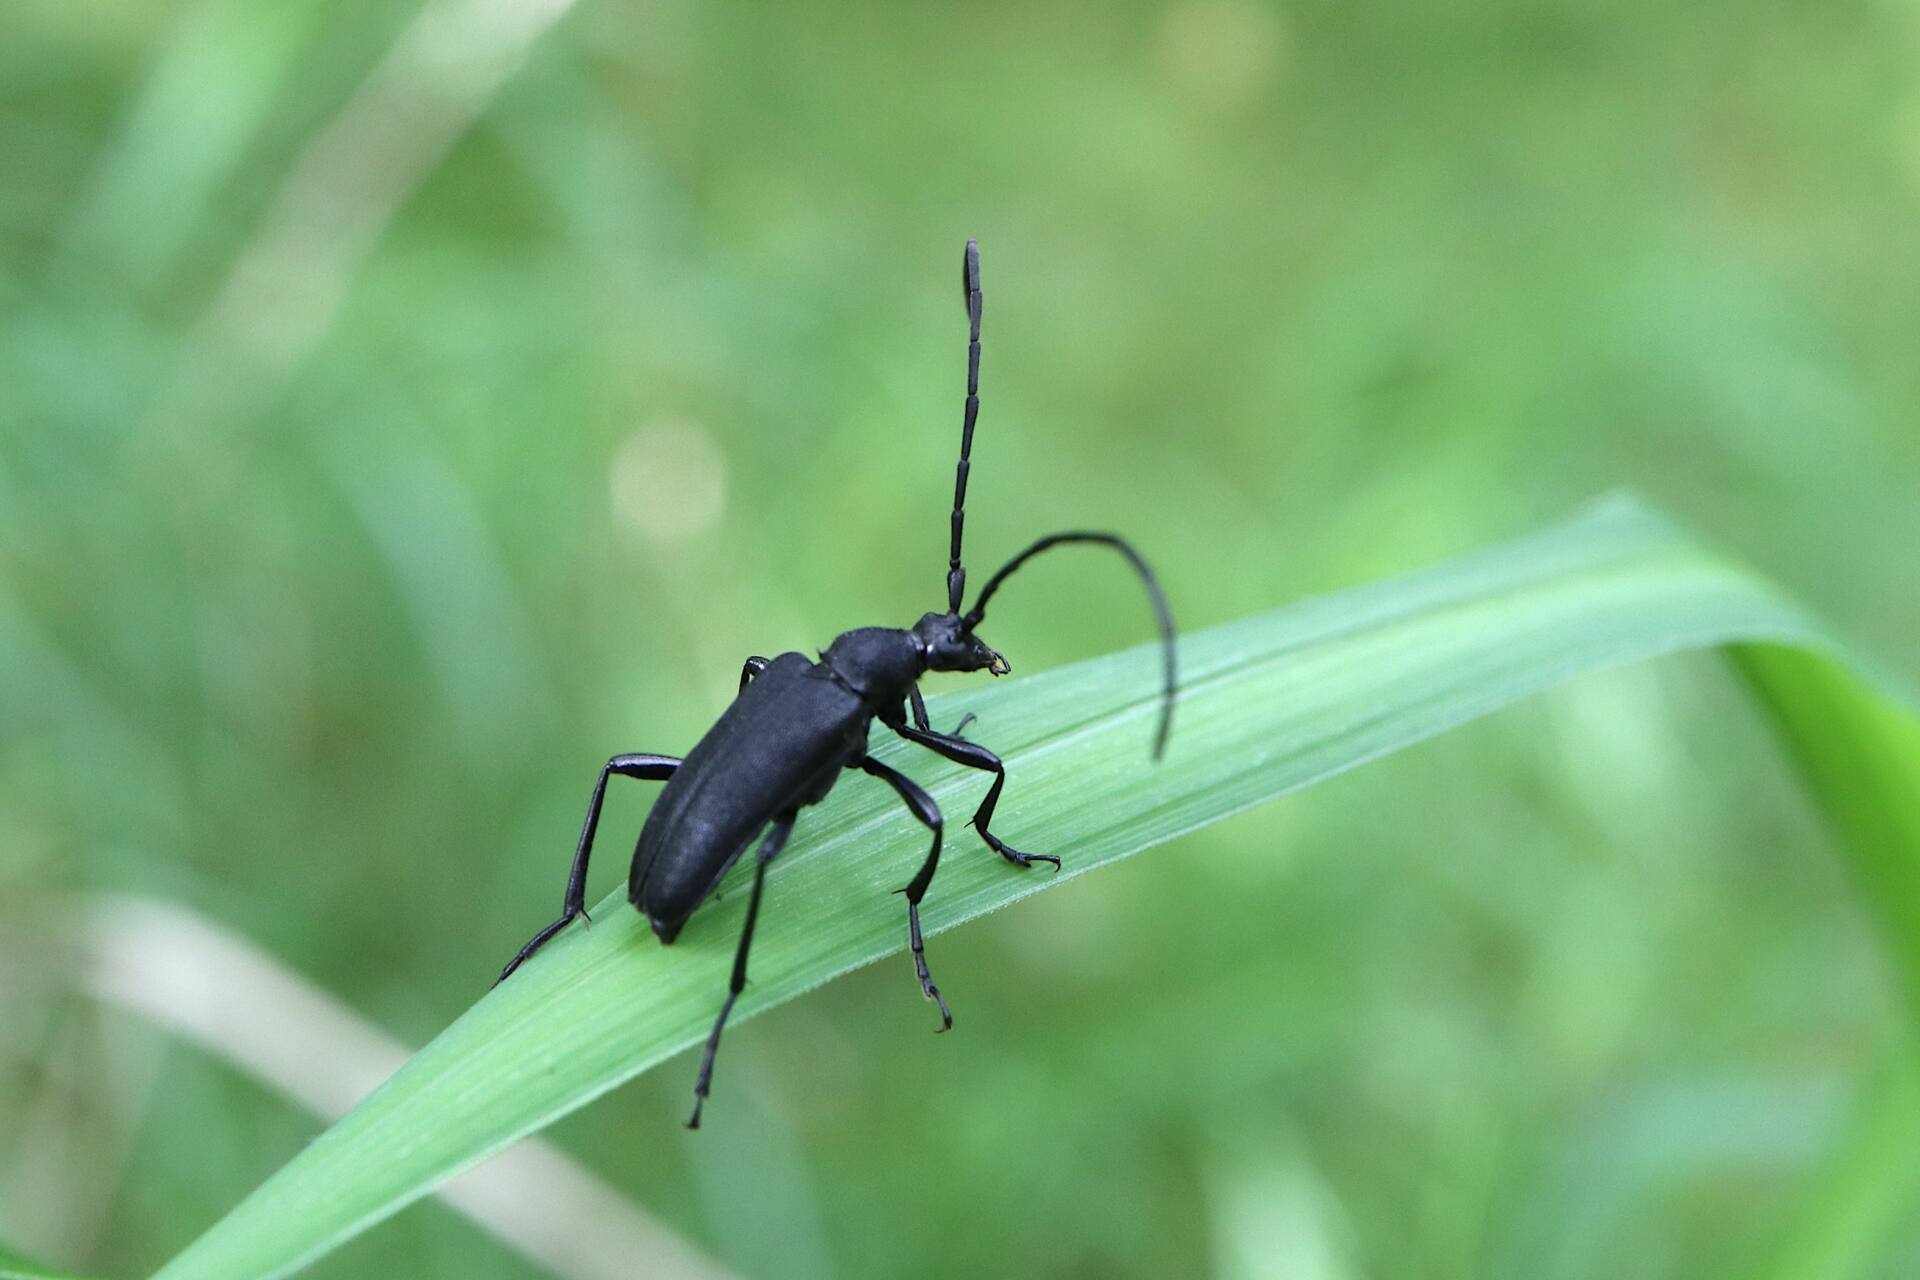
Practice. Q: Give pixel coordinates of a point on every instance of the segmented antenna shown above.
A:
(970, 284)
(1162, 615)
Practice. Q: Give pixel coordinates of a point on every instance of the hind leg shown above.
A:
(646, 767)
(776, 839)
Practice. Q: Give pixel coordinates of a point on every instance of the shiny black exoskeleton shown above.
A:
(797, 725)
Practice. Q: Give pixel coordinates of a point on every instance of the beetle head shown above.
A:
(948, 644)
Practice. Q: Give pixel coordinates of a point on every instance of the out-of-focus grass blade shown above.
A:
(1856, 1206)
(1267, 705)
(15, 1267)
(1859, 752)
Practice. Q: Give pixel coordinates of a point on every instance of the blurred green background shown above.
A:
(403, 410)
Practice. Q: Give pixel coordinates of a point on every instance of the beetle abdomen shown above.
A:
(780, 745)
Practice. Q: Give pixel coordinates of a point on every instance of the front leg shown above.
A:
(647, 767)
(975, 756)
(750, 668)
(920, 715)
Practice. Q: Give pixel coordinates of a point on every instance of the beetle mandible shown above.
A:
(796, 725)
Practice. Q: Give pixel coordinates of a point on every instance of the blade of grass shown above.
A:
(1268, 705)
(158, 962)
(1859, 754)
(1856, 1206)
(15, 1267)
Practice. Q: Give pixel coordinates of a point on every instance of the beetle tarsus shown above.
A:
(1017, 858)
(539, 940)
(927, 990)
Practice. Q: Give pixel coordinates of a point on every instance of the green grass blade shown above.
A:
(1859, 752)
(1858, 1204)
(15, 1267)
(1268, 705)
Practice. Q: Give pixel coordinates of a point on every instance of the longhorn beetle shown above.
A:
(796, 724)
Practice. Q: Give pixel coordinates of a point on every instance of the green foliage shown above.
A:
(14, 1267)
(1267, 705)
(373, 468)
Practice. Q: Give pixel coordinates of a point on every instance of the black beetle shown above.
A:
(797, 724)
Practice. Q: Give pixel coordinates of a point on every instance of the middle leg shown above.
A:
(929, 814)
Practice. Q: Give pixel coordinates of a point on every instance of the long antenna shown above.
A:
(1162, 615)
(970, 284)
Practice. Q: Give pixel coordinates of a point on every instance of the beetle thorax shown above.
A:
(880, 664)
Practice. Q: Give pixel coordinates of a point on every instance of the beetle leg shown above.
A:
(776, 839)
(929, 814)
(920, 715)
(975, 756)
(751, 668)
(647, 767)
